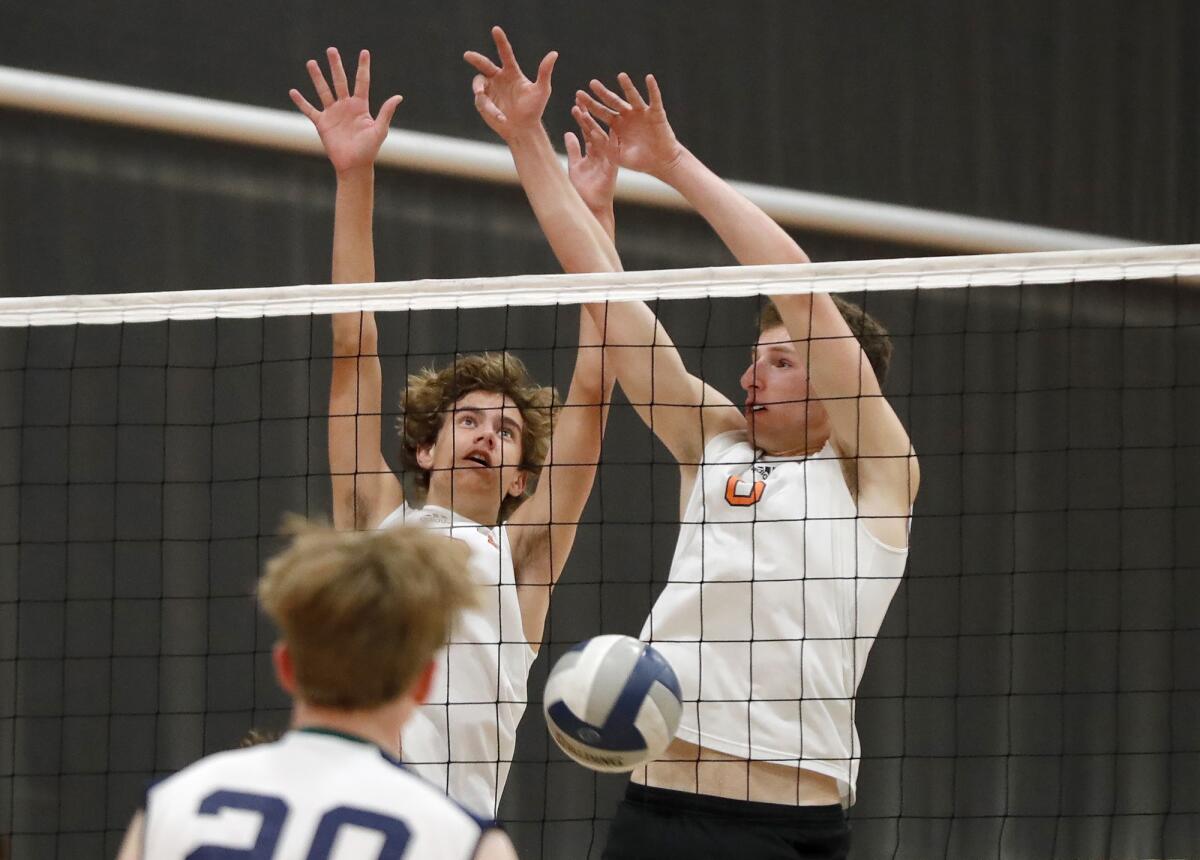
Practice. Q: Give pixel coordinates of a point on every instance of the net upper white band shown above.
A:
(921, 273)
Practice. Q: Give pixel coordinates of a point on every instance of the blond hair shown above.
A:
(432, 393)
(362, 613)
(872, 335)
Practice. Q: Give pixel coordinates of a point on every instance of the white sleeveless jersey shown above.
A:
(312, 794)
(462, 739)
(776, 593)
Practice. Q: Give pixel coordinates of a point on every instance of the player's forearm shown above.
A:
(607, 219)
(354, 258)
(576, 237)
(580, 427)
(353, 245)
(579, 431)
(355, 384)
(642, 357)
(748, 232)
(548, 521)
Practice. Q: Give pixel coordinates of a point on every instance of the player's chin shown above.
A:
(758, 425)
(766, 437)
(474, 474)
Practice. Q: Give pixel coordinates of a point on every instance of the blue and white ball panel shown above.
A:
(612, 703)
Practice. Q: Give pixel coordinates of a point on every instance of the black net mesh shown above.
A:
(1031, 694)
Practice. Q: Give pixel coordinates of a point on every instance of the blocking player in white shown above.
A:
(794, 534)
(360, 616)
(474, 435)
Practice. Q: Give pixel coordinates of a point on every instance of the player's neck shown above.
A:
(380, 726)
(484, 511)
(805, 446)
(800, 439)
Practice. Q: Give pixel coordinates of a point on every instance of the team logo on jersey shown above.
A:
(743, 493)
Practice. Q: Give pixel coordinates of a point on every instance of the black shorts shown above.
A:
(665, 825)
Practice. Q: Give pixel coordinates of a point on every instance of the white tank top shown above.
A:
(777, 591)
(462, 739)
(311, 794)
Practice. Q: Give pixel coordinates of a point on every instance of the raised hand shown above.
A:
(350, 136)
(593, 167)
(509, 102)
(647, 142)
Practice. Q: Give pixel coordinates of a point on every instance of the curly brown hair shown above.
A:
(872, 335)
(432, 393)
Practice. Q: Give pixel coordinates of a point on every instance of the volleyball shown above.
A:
(612, 703)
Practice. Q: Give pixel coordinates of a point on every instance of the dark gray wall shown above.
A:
(1032, 693)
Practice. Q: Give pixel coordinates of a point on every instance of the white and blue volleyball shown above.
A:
(612, 703)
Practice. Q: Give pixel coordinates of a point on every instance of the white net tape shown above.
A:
(994, 270)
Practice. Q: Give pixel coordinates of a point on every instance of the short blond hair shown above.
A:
(362, 613)
(432, 393)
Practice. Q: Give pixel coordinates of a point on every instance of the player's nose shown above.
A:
(752, 380)
(486, 436)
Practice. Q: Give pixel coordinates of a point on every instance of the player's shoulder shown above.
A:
(337, 766)
(403, 514)
(216, 767)
(312, 778)
(353, 765)
(730, 443)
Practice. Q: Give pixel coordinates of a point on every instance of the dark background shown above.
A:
(1034, 690)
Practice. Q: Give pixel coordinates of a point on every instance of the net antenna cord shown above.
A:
(1178, 265)
(284, 130)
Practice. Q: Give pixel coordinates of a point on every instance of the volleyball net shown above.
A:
(1031, 693)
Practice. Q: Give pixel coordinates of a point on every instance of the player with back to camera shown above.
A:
(475, 435)
(794, 532)
(360, 617)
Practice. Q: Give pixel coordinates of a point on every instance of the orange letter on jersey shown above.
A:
(743, 500)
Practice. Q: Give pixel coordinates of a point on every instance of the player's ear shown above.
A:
(424, 454)
(516, 487)
(285, 670)
(423, 686)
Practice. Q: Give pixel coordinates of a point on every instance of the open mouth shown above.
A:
(478, 459)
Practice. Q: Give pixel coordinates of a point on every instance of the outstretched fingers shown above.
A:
(631, 92)
(362, 77)
(387, 110)
(592, 130)
(546, 69)
(508, 57)
(656, 101)
(337, 73)
(481, 64)
(611, 100)
(305, 108)
(571, 142)
(319, 84)
(595, 108)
